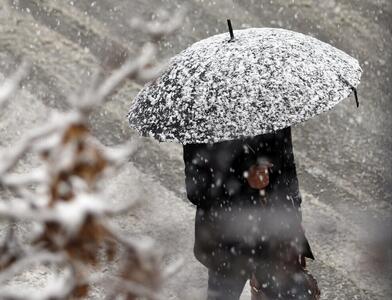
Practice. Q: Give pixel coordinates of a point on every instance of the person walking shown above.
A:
(231, 102)
(248, 219)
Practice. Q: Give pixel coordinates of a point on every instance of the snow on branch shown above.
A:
(64, 197)
(142, 68)
(9, 86)
(165, 25)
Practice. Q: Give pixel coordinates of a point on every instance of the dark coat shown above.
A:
(232, 225)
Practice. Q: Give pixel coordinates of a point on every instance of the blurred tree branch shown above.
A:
(63, 195)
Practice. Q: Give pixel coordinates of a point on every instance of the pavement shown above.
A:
(344, 157)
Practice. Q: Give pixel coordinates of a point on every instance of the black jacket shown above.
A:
(231, 223)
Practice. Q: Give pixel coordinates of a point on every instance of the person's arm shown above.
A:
(293, 188)
(197, 175)
(289, 168)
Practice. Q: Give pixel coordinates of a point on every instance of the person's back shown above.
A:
(239, 227)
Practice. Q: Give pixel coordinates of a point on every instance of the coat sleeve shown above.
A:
(289, 168)
(197, 174)
(293, 187)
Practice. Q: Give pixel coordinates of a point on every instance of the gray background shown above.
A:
(343, 157)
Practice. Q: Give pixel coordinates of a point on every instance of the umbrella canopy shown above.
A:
(263, 80)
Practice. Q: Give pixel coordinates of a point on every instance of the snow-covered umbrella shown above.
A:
(257, 81)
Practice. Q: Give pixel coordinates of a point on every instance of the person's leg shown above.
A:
(225, 286)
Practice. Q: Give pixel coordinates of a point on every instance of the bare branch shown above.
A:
(59, 289)
(160, 28)
(63, 196)
(129, 70)
(151, 73)
(38, 175)
(126, 286)
(32, 258)
(173, 268)
(12, 83)
(9, 159)
(22, 210)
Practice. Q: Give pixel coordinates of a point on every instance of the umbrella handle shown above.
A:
(230, 30)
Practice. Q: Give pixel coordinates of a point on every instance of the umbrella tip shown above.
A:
(356, 96)
(230, 30)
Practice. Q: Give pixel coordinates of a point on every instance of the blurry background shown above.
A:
(344, 157)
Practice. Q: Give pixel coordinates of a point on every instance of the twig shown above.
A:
(126, 286)
(12, 83)
(64, 195)
(159, 29)
(30, 259)
(9, 159)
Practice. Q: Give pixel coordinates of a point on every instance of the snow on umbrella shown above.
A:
(260, 81)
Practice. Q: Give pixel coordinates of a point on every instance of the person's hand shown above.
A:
(258, 176)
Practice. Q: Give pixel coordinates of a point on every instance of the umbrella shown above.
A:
(257, 81)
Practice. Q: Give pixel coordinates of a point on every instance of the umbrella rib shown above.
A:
(254, 152)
